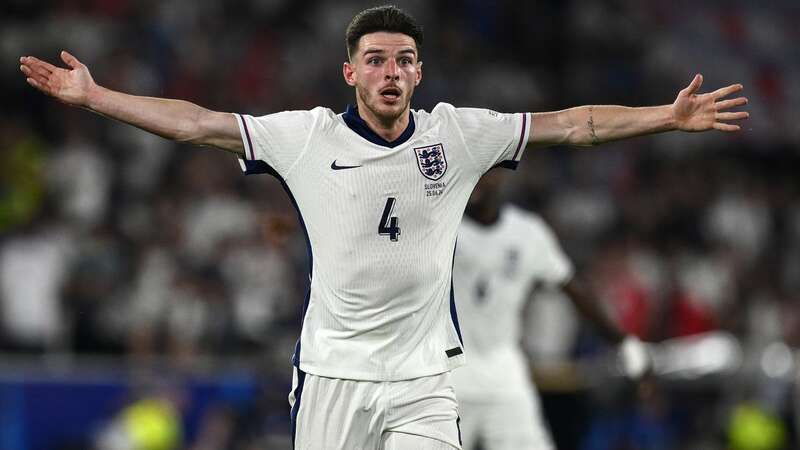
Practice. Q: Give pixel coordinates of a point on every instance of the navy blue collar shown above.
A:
(357, 124)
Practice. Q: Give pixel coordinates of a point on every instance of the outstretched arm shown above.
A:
(173, 119)
(593, 125)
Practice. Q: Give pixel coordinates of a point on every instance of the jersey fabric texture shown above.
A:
(381, 220)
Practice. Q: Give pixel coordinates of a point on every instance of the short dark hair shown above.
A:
(382, 18)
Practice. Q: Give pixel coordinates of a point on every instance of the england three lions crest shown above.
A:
(431, 161)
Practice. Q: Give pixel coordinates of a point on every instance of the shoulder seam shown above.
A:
(317, 117)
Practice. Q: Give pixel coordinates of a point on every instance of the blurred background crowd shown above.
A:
(150, 295)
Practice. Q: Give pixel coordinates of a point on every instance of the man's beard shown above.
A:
(383, 116)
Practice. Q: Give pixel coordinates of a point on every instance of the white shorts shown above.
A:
(511, 423)
(336, 414)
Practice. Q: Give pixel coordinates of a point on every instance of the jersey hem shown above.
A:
(423, 432)
(344, 374)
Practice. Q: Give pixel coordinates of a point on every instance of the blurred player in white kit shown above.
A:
(503, 253)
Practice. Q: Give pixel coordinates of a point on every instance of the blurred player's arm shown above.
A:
(593, 125)
(634, 356)
(589, 308)
(177, 120)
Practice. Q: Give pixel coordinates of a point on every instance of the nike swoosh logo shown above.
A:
(336, 167)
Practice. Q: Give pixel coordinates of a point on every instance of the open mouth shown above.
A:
(390, 93)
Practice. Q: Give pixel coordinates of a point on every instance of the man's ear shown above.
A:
(419, 74)
(349, 73)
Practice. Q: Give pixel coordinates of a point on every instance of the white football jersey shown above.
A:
(381, 221)
(496, 267)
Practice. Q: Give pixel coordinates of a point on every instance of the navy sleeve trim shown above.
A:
(249, 153)
(522, 132)
(256, 167)
(508, 164)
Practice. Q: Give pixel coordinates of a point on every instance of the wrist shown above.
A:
(670, 123)
(94, 95)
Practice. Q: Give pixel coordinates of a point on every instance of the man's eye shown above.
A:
(405, 60)
(374, 61)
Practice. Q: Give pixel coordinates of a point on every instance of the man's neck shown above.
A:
(390, 129)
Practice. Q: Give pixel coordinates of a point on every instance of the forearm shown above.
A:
(590, 309)
(176, 120)
(596, 124)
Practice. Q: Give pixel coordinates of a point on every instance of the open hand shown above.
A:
(71, 86)
(701, 112)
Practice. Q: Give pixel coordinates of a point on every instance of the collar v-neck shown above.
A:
(358, 125)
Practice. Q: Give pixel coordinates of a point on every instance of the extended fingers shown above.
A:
(693, 87)
(37, 77)
(35, 84)
(732, 115)
(42, 85)
(725, 116)
(726, 127)
(32, 61)
(727, 90)
(725, 104)
(33, 76)
(42, 80)
(35, 70)
(70, 60)
(38, 72)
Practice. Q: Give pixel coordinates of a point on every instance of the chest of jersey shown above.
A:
(363, 190)
(382, 220)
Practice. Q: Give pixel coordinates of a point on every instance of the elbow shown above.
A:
(581, 127)
(577, 128)
(195, 130)
(184, 131)
(579, 137)
(566, 127)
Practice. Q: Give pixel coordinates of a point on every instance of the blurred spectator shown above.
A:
(97, 278)
(259, 268)
(79, 176)
(33, 271)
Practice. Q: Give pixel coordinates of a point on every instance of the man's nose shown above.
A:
(391, 70)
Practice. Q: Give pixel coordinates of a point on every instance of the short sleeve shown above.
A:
(492, 138)
(554, 266)
(273, 143)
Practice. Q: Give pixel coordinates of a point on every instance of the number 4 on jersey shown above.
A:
(389, 225)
